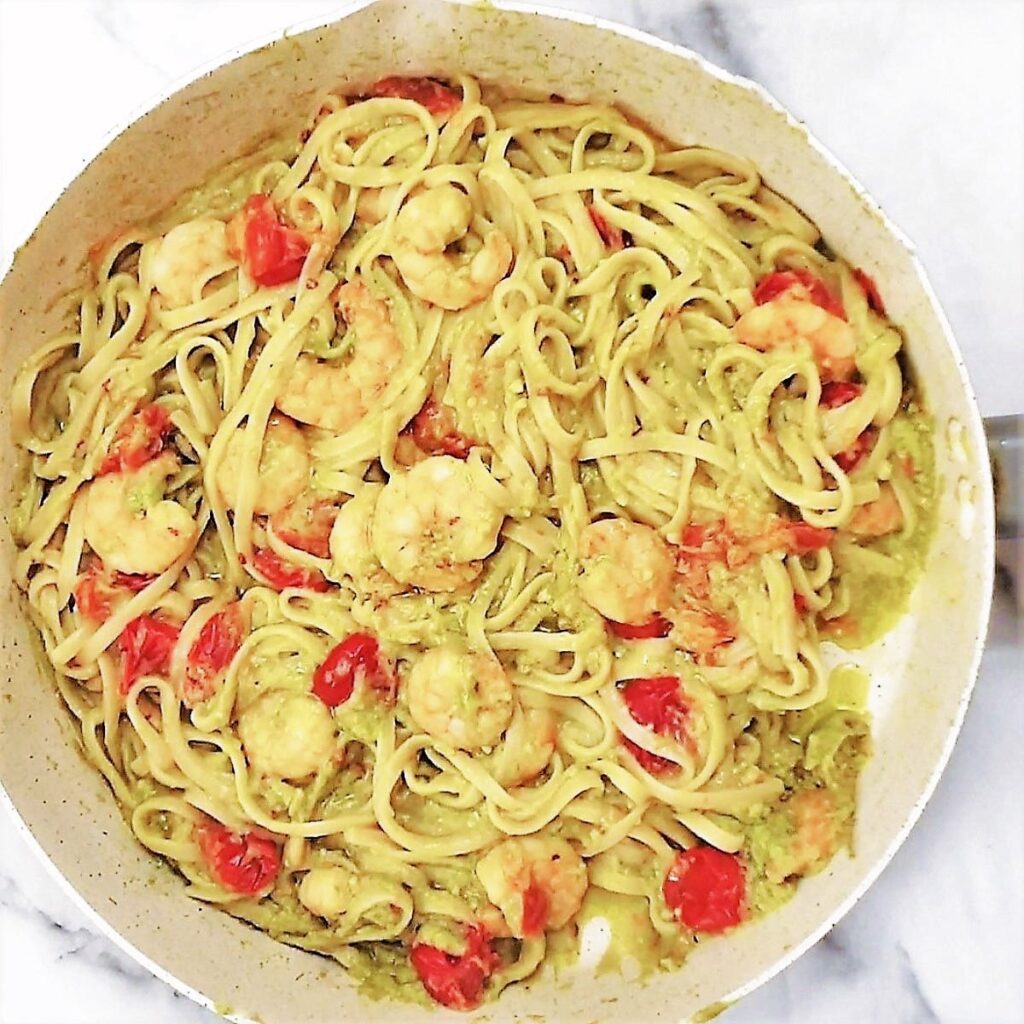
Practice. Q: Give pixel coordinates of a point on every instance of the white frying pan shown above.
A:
(922, 673)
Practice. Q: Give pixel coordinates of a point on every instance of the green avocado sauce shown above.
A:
(818, 754)
(632, 935)
(879, 589)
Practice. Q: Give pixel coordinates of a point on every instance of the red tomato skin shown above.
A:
(800, 603)
(705, 889)
(97, 590)
(272, 253)
(651, 763)
(852, 457)
(835, 393)
(802, 538)
(694, 535)
(657, 627)
(132, 581)
(456, 981)
(306, 525)
(610, 235)
(870, 289)
(437, 98)
(146, 644)
(356, 657)
(433, 429)
(213, 650)
(775, 284)
(247, 864)
(280, 574)
(657, 703)
(139, 439)
(536, 907)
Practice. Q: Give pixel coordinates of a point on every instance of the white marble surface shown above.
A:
(924, 101)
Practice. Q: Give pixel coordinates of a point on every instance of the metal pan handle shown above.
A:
(1006, 449)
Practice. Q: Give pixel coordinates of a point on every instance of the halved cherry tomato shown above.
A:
(804, 282)
(456, 981)
(356, 657)
(705, 889)
(802, 538)
(247, 864)
(835, 393)
(280, 574)
(212, 652)
(610, 235)
(659, 626)
(146, 644)
(871, 293)
(434, 431)
(437, 98)
(139, 439)
(849, 460)
(271, 252)
(658, 703)
(306, 524)
(97, 590)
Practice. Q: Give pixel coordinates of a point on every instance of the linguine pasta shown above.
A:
(443, 529)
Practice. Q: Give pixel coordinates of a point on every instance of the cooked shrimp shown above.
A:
(879, 517)
(526, 747)
(699, 630)
(373, 203)
(328, 891)
(814, 840)
(336, 395)
(627, 570)
(283, 470)
(351, 552)
(425, 227)
(129, 525)
(287, 734)
(537, 882)
(461, 696)
(435, 523)
(187, 257)
(788, 320)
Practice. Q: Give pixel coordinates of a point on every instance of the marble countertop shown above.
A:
(924, 102)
